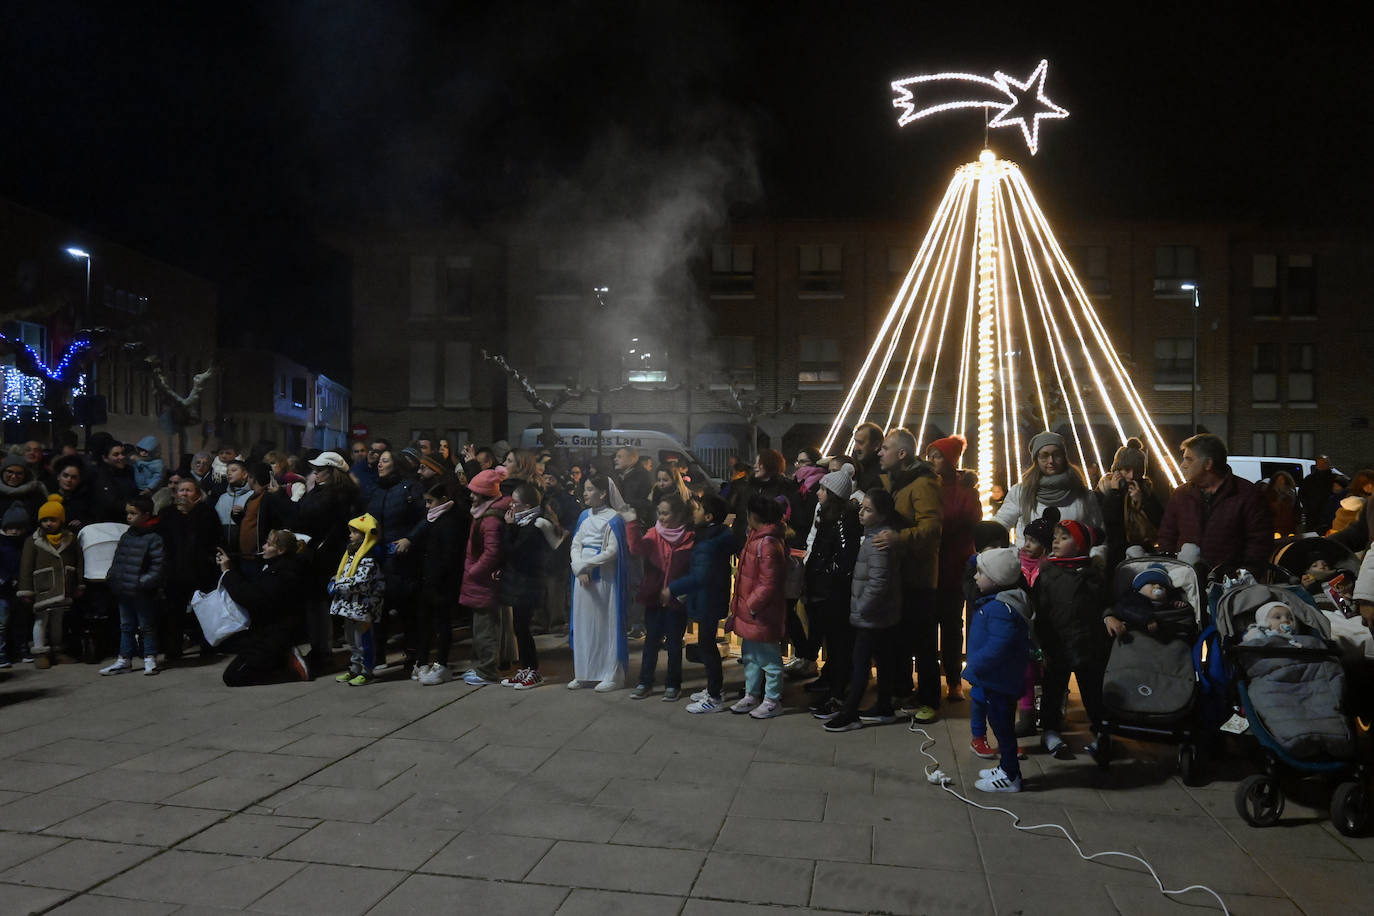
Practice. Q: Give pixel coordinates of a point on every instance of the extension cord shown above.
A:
(937, 777)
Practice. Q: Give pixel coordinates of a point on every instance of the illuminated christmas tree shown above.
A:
(992, 309)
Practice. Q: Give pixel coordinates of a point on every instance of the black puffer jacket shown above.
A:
(526, 554)
(830, 565)
(323, 513)
(271, 591)
(1068, 602)
(139, 566)
(446, 541)
(190, 539)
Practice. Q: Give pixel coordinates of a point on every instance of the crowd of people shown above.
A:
(872, 562)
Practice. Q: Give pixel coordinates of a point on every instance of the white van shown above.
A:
(1257, 468)
(580, 443)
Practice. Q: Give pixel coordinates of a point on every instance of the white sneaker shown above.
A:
(575, 684)
(745, 704)
(119, 667)
(417, 671)
(700, 695)
(435, 674)
(606, 686)
(997, 781)
(150, 666)
(706, 704)
(766, 710)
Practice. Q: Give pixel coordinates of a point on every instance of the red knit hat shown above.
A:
(952, 447)
(1084, 536)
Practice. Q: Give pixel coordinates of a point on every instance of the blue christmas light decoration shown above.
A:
(22, 390)
(58, 373)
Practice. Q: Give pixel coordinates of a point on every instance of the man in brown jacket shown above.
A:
(915, 489)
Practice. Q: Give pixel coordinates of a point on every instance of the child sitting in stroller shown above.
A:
(1153, 605)
(1272, 619)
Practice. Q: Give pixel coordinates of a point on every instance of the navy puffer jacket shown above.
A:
(139, 566)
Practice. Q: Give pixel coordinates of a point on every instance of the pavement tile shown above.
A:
(225, 793)
(20, 847)
(78, 865)
(130, 785)
(331, 746)
(1320, 885)
(25, 901)
(443, 809)
(258, 765)
(361, 805)
(665, 795)
(135, 822)
(246, 738)
(350, 725)
(796, 839)
(584, 902)
(96, 905)
(438, 894)
(796, 776)
(194, 877)
(619, 868)
(171, 759)
(670, 829)
(35, 812)
(1026, 895)
(696, 907)
(371, 845)
(488, 855)
(575, 765)
(928, 809)
(23, 776)
(358, 774)
(755, 879)
(1131, 901)
(780, 804)
(248, 835)
(885, 889)
(329, 890)
(81, 752)
(596, 823)
(905, 844)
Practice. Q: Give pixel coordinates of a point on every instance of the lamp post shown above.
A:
(1197, 306)
(85, 256)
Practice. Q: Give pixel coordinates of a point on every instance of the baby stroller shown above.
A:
(99, 608)
(1291, 691)
(1150, 688)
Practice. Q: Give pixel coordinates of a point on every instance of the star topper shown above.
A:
(1018, 103)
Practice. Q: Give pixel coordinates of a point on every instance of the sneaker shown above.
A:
(672, 694)
(640, 692)
(347, 675)
(1054, 744)
(998, 781)
(608, 685)
(473, 679)
(768, 709)
(700, 695)
(150, 667)
(531, 680)
(359, 680)
(745, 704)
(26, 659)
(800, 668)
(417, 671)
(707, 704)
(42, 662)
(873, 715)
(827, 709)
(575, 684)
(980, 747)
(925, 715)
(435, 674)
(119, 667)
(297, 664)
(514, 678)
(843, 723)
(5, 663)
(1094, 750)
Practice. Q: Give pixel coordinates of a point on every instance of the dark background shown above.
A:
(239, 141)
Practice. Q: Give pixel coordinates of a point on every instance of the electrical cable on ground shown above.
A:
(937, 777)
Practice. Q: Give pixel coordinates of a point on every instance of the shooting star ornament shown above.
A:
(1018, 103)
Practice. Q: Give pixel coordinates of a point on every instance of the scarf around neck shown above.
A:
(524, 518)
(479, 509)
(433, 514)
(1053, 490)
(673, 536)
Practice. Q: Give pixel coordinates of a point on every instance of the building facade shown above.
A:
(268, 398)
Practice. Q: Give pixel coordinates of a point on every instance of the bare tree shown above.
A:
(185, 410)
(751, 410)
(546, 407)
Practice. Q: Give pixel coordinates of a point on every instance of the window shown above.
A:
(456, 301)
(1091, 263)
(1301, 291)
(1174, 361)
(558, 272)
(145, 389)
(645, 361)
(732, 269)
(423, 285)
(1302, 443)
(819, 360)
(1175, 265)
(422, 373)
(821, 268)
(557, 361)
(1264, 285)
(1264, 442)
(1302, 376)
(457, 373)
(298, 394)
(737, 358)
(1264, 378)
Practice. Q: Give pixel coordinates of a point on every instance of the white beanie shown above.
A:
(840, 482)
(1000, 564)
(1263, 611)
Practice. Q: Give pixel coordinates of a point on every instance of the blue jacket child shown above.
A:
(998, 645)
(706, 589)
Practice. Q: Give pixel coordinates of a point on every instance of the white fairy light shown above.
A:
(1014, 100)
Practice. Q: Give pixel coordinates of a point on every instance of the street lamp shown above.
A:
(85, 256)
(1197, 306)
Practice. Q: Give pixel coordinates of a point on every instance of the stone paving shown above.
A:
(174, 794)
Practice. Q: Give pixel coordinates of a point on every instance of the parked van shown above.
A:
(579, 443)
(1262, 467)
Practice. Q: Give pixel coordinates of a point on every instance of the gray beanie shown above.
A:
(840, 482)
(15, 517)
(1040, 440)
(1131, 455)
(1000, 564)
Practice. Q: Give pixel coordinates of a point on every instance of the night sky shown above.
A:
(238, 140)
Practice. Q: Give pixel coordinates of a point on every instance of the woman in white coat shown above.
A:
(1049, 481)
(600, 592)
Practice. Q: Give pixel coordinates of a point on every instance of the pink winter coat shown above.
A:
(759, 606)
(482, 564)
(662, 557)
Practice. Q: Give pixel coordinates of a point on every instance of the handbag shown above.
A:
(220, 616)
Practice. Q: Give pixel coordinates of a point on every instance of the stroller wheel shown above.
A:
(1259, 800)
(1188, 765)
(1350, 809)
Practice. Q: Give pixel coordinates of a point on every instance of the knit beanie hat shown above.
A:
(1042, 528)
(840, 482)
(1001, 565)
(150, 445)
(1154, 573)
(1262, 612)
(52, 509)
(1083, 535)
(952, 447)
(990, 534)
(1040, 440)
(435, 463)
(14, 461)
(16, 516)
(411, 456)
(1131, 455)
(772, 461)
(488, 483)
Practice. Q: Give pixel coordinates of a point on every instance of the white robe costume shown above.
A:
(597, 628)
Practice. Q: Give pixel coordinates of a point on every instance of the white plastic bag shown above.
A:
(220, 616)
